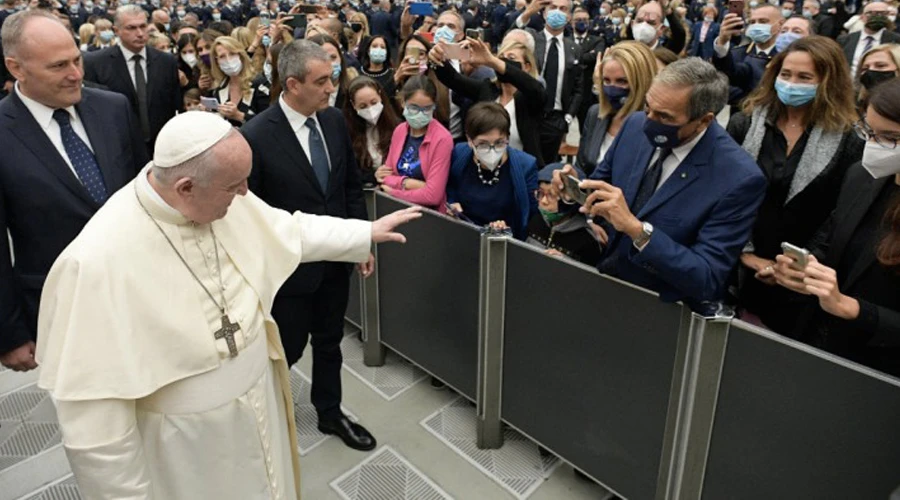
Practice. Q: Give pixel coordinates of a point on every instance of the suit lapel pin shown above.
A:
(684, 175)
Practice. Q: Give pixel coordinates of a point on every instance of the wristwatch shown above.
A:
(646, 232)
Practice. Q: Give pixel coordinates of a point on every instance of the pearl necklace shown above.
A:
(495, 174)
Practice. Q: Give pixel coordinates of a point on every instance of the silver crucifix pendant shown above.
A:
(227, 332)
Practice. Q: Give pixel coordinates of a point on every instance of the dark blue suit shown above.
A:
(744, 66)
(703, 50)
(702, 215)
(43, 204)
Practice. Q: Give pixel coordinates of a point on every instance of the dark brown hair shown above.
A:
(275, 90)
(885, 101)
(485, 117)
(833, 108)
(357, 126)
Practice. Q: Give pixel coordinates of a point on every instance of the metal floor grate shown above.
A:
(63, 490)
(308, 435)
(389, 381)
(19, 404)
(386, 475)
(519, 466)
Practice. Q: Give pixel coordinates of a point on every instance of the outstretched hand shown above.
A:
(383, 228)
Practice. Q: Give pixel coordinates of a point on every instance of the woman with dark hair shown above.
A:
(414, 61)
(853, 274)
(418, 160)
(341, 72)
(491, 183)
(375, 62)
(797, 124)
(371, 121)
(188, 61)
(270, 72)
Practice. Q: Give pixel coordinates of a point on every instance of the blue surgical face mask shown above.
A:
(445, 34)
(662, 135)
(807, 14)
(759, 33)
(417, 119)
(785, 39)
(795, 94)
(787, 13)
(581, 27)
(377, 55)
(557, 19)
(335, 70)
(107, 36)
(616, 96)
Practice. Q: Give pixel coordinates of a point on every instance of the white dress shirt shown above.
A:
(675, 158)
(298, 125)
(128, 62)
(561, 48)
(860, 47)
(456, 122)
(43, 115)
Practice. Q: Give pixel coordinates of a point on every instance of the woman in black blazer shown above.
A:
(805, 149)
(622, 80)
(855, 271)
(517, 88)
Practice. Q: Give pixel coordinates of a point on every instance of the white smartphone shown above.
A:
(209, 103)
(800, 255)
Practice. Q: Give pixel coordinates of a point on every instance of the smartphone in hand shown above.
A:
(800, 255)
(736, 7)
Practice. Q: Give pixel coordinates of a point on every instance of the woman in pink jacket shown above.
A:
(418, 163)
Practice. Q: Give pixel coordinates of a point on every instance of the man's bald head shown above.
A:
(19, 33)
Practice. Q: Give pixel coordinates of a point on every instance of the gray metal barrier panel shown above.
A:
(794, 422)
(588, 368)
(428, 292)
(354, 305)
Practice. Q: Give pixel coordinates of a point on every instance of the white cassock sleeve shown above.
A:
(104, 449)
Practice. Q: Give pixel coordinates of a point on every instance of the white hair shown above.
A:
(529, 38)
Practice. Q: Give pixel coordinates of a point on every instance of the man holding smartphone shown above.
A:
(558, 63)
(744, 65)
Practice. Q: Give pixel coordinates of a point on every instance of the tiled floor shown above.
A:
(425, 451)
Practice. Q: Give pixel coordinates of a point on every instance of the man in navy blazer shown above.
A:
(43, 199)
(676, 195)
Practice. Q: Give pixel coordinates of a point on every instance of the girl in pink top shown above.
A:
(418, 162)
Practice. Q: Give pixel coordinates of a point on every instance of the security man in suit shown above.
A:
(66, 149)
(303, 160)
(560, 67)
(146, 76)
(676, 195)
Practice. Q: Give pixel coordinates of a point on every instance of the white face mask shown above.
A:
(491, 159)
(644, 33)
(189, 59)
(371, 114)
(880, 161)
(231, 66)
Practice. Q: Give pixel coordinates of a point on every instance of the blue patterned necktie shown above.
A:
(318, 158)
(81, 157)
(649, 181)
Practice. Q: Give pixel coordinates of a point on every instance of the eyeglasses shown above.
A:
(484, 148)
(540, 194)
(865, 132)
(412, 108)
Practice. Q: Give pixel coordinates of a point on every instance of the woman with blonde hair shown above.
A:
(240, 98)
(249, 41)
(359, 26)
(86, 36)
(621, 82)
(517, 88)
(104, 36)
(877, 66)
(797, 124)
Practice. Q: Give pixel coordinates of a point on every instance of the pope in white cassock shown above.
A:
(155, 335)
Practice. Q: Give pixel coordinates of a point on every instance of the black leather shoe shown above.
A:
(354, 435)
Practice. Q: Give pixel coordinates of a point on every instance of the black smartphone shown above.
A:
(297, 21)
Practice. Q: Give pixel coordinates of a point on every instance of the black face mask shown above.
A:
(871, 78)
(356, 27)
(876, 23)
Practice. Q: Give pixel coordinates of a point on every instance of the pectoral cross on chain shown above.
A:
(227, 332)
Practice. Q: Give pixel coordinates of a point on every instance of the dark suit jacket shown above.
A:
(874, 337)
(572, 79)
(283, 178)
(588, 51)
(744, 66)
(43, 204)
(703, 50)
(592, 136)
(702, 215)
(529, 99)
(108, 67)
(850, 41)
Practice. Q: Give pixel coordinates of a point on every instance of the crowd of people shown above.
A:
(733, 154)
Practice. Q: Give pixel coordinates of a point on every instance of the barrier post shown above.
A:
(491, 311)
(373, 349)
(696, 407)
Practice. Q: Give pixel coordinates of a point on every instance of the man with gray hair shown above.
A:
(155, 337)
(146, 76)
(303, 160)
(675, 197)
